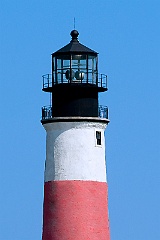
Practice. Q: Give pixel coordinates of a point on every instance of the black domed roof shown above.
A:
(74, 47)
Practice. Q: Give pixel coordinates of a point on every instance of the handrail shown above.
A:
(47, 112)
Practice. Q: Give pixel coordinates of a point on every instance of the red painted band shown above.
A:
(75, 210)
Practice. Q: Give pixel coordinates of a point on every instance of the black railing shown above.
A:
(103, 112)
(100, 80)
(47, 80)
(47, 112)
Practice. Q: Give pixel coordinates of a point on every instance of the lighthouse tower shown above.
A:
(75, 186)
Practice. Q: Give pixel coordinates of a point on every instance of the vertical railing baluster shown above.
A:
(51, 113)
(106, 81)
(101, 80)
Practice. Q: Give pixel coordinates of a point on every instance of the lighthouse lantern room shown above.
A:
(75, 189)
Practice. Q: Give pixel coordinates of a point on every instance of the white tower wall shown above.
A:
(72, 152)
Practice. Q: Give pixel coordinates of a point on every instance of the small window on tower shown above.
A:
(98, 137)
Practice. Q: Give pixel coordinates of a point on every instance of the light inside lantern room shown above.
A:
(75, 68)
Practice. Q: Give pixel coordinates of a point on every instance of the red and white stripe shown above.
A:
(75, 190)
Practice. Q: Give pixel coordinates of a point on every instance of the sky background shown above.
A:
(126, 33)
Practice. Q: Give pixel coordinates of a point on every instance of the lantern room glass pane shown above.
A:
(59, 63)
(79, 67)
(66, 64)
(63, 61)
(79, 61)
(92, 69)
(92, 63)
(59, 67)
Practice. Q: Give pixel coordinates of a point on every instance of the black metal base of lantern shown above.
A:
(74, 101)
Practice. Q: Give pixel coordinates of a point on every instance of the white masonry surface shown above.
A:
(72, 152)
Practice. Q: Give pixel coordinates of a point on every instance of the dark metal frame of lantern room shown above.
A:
(74, 83)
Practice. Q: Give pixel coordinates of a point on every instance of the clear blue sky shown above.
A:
(126, 33)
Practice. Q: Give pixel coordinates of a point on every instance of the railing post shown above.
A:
(101, 80)
(106, 81)
(48, 80)
(87, 67)
(43, 113)
(43, 81)
(107, 113)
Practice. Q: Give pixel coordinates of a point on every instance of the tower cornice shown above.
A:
(75, 119)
